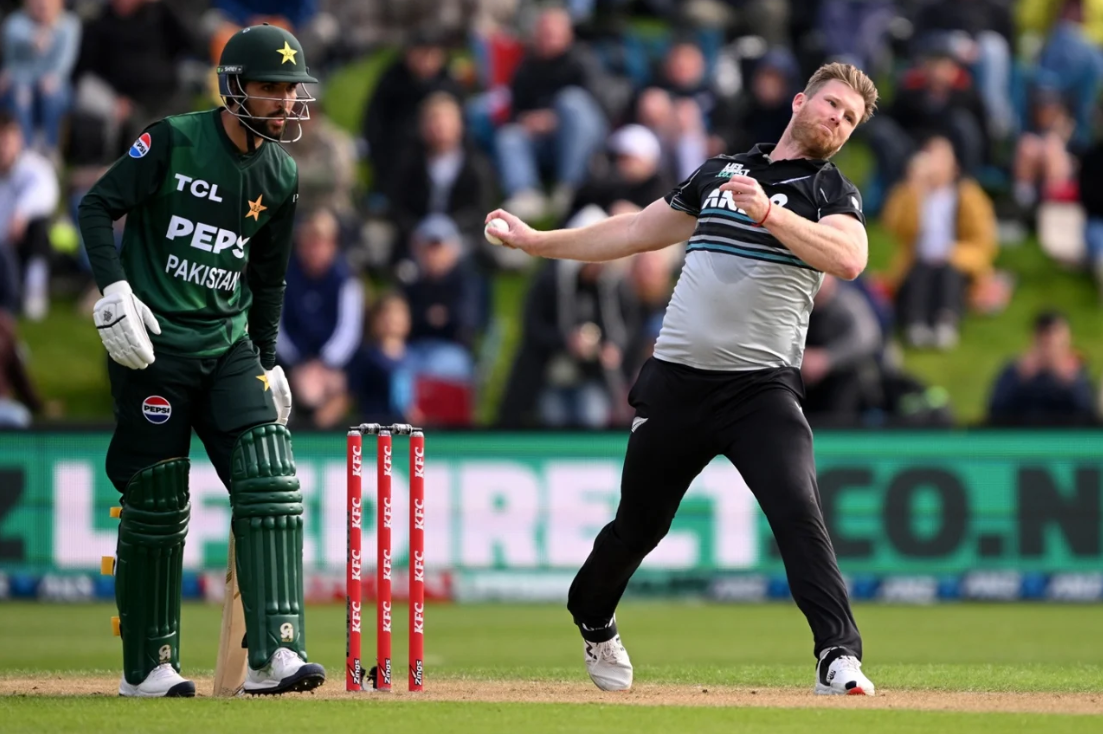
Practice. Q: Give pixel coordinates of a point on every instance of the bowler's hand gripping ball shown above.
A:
(495, 224)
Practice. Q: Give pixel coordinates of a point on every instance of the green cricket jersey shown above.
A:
(197, 212)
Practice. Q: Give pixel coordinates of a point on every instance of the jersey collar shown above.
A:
(760, 153)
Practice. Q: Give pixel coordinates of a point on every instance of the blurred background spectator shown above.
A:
(1048, 384)
(945, 235)
(41, 42)
(322, 321)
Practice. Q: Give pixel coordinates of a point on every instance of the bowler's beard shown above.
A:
(812, 139)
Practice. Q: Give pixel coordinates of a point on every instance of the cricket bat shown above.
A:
(233, 656)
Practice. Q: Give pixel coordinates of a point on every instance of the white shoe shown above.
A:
(945, 336)
(285, 673)
(843, 677)
(920, 336)
(162, 682)
(608, 665)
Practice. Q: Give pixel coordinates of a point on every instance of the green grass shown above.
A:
(966, 647)
(1011, 648)
(210, 715)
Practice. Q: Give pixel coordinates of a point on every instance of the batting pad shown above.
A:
(268, 527)
(152, 528)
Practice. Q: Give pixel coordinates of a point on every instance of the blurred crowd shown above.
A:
(566, 113)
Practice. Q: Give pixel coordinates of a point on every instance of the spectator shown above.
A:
(28, 197)
(578, 320)
(443, 301)
(944, 227)
(1090, 186)
(1044, 166)
(636, 179)
(322, 319)
(19, 400)
(683, 147)
(326, 156)
(1070, 60)
(1046, 386)
(127, 75)
(984, 32)
(443, 174)
(381, 377)
(40, 48)
(698, 108)
(764, 110)
(857, 31)
(935, 97)
(391, 119)
(650, 275)
(840, 366)
(555, 120)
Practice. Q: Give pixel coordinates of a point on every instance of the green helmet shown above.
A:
(263, 53)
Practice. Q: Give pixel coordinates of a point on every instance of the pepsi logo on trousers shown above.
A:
(156, 409)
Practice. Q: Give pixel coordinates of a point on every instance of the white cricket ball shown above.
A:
(493, 224)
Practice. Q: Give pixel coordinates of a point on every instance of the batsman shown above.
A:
(189, 317)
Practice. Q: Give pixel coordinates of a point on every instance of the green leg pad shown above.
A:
(268, 528)
(152, 528)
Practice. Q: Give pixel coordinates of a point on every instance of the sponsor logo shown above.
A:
(357, 671)
(387, 512)
(356, 619)
(287, 632)
(387, 461)
(141, 146)
(356, 512)
(419, 462)
(637, 422)
(199, 188)
(419, 566)
(357, 462)
(732, 169)
(418, 673)
(206, 237)
(419, 514)
(386, 564)
(386, 673)
(419, 620)
(387, 617)
(356, 565)
(165, 653)
(156, 409)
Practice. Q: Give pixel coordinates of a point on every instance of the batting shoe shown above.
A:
(162, 682)
(286, 672)
(841, 675)
(608, 664)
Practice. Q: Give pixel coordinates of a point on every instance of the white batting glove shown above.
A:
(122, 320)
(281, 393)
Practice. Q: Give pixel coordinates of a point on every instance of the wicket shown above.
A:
(380, 674)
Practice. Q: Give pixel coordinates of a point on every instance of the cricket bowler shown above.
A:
(761, 227)
(189, 317)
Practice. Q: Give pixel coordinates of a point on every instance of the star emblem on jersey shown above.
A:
(264, 379)
(255, 208)
(287, 53)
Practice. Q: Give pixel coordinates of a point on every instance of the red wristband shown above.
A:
(769, 209)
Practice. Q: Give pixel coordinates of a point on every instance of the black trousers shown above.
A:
(930, 294)
(157, 408)
(689, 417)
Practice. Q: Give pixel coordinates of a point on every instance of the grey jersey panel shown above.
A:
(735, 313)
